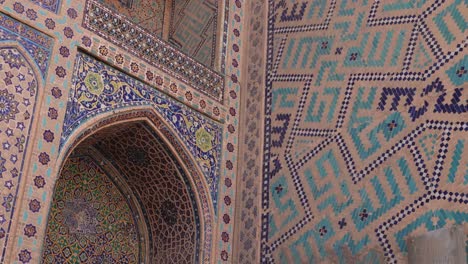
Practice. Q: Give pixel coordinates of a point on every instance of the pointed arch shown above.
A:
(171, 139)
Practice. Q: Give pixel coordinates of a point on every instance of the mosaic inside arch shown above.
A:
(366, 122)
(160, 185)
(90, 220)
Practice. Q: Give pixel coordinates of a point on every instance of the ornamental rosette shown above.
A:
(94, 83)
(8, 106)
(204, 139)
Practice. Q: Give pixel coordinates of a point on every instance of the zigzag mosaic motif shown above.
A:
(366, 121)
(98, 88)
(122, 32)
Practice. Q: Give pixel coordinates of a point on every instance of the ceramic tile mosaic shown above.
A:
(50, 5)
(90, 220)
(42, 162)
(247, 234)
(127, 122)
(162, 188)
(24, 60)
(98, 88)
(122, 32)
(147, 14)
(35, 43)
(119, 59)
(366, 116)
(193, 29)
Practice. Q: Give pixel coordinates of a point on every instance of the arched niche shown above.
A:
(94, 135)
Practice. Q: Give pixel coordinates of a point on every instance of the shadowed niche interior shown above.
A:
(122, 197)
(189, 25)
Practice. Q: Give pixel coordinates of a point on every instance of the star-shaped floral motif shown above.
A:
(20, 126)
(13, 158)
(8, 106)
(6, 145)
(9, 184)
(2, 219)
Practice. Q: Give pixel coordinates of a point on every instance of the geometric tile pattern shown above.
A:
(98, 88)
(160, 186)
(157, 79)
(366, 113)
(193, 29)
(247, 233)
(233, 45)
(90, 220)
(37, 45)
(146, 14)
(71, 38)
(122, 32)
(19, 88)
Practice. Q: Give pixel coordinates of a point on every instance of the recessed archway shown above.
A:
(157, 188)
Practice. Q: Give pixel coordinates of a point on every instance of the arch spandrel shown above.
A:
(98, 88)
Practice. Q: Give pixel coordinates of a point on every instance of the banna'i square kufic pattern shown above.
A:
(366, 124)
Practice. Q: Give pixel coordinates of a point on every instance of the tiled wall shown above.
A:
(39, 53)
(366, 120)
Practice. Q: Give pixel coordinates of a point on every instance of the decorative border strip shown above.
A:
(52, 6)
(122, 32)
(121, 60)
(36, 43)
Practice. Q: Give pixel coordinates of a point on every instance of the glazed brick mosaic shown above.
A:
(366, 119)
(90, 220)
